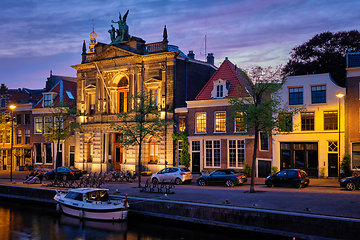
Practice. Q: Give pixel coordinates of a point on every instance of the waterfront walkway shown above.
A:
(322, 197)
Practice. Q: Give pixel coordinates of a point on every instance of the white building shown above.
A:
(313, 143)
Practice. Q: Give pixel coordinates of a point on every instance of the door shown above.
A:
(195, 162)
(264, 168)
(72, 155)
(333, 164)
(118, 157)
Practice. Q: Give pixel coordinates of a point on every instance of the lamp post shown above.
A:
(12, 107)
(339, 95)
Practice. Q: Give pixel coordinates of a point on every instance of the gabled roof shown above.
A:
(227, 72)
(61, 88)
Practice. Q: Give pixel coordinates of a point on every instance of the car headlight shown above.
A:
(267, 177)
(342, 180)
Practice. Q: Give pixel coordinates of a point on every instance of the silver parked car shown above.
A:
(178, 175)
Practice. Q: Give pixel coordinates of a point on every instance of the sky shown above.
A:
(39, 36)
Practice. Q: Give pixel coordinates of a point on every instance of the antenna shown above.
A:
(205, 48)
(93, 23)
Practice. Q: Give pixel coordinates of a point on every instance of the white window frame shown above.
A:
(237, 149)
(212, 154)
(215, 131)
(268, 143)
(41, 126)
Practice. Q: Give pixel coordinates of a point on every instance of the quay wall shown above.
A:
(299, 225)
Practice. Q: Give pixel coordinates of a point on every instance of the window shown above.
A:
(153, 151)
(195, 146)
(123, 89)
(91, 104)
(48, 155)
(38, 125)
(91, 150)
(355, 155)
(333, 146)
(201, 122)
(239, 122)
(212, 152)
(236, 153)
(307, 121)
(285, 122)
(27, 118)
(18, 119)
(296, 96)
(48, 124)
(219, 91)
(220, 122)
(330, 120)
(27, 136)
(47, 100)
(18, 136)
(182, 124)
(38, 158)
(318, 94)
(69, 95)
(264, 141)
(3, 103)
(154, 97)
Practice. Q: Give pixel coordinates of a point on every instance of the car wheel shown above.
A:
(178, 181)
(201, 182)
(270, 184)
(229, 183)
(297, 184)
(155, 181)
(64, 177)
(350, 186)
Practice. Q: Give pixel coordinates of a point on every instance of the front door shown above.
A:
(195, 162)
(333, 164)
(264, 168)
(118, 152)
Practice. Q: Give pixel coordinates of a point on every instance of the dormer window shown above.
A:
(220, 89)
(47, 100)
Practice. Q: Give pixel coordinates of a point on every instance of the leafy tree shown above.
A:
(260, 109)
(325, 52)
(59, 125)
(5, 128)
(184, 154)
(140, 122)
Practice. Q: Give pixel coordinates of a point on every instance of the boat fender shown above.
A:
(58, 208)
(81, 214)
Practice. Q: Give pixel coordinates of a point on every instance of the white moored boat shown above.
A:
(91, 203)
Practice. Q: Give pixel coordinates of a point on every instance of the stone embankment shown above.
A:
(298, 225)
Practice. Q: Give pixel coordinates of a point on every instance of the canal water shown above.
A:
(24, 222)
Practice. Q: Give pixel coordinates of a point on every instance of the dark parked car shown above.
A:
(228, 177)
(296, 177)
(64, 173)
(350, 183)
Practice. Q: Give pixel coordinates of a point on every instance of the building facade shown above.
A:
(317, 131)
(115, 71)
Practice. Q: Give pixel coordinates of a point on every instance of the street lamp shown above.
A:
(12, 107)
(339, 95)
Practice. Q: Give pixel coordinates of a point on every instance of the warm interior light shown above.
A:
(12, 107)
(340, 95)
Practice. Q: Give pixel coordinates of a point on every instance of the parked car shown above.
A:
(296, 177)
(350, 183)
(228, 177)
(65, 173)
(176, 174)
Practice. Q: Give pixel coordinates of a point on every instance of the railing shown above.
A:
(156, 47)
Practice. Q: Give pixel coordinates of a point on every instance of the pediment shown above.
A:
(90, 87)
(152, 80)
(112, 52)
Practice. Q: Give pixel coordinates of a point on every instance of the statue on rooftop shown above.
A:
(122, 32)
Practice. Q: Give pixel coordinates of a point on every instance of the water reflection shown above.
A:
(19, 221)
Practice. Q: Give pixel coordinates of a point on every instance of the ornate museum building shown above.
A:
(109, 73)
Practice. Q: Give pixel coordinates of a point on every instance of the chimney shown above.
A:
(191, 54)
(210, 58)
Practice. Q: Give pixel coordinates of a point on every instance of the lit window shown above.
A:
(239, 122)
(264, 142)
(182, 124)
(220, 120)
(330, 120)
(38, 125)
(48, 124)
(91, 104)
(236, 153)
(153, 151)
(212, 151)
(47, 100)
(18, 136)
(296, 96)
(123, 89)
(318, 94)
(201, 122)
(355, 155)
(307, 121)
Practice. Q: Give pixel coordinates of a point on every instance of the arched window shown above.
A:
(123, 89)
(91, 149)
(154, 155)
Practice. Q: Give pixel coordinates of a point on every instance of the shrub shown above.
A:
(345, 165)
(274, 169)
(248, 170)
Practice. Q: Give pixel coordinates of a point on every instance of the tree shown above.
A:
(261, 110)
(5, 128)
(141, 121)
(59, 125)
(325, 52)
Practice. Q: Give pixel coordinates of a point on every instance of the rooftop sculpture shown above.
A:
(122, 33)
